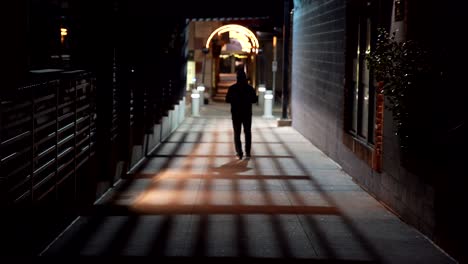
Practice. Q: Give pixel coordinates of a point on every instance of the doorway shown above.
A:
(234, 47)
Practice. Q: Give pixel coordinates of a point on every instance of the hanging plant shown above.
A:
(398, 67)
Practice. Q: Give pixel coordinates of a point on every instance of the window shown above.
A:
(360, 95)
(363, 116)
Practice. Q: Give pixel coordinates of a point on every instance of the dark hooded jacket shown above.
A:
(241, 96)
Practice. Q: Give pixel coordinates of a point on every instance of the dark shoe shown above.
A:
(239, 156)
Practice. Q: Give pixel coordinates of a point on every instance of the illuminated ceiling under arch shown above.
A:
(243, 35)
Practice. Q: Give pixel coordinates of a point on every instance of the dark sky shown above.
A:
(211, 8)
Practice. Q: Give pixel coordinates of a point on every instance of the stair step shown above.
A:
(227, 76)
(225, 84)
(225, 80)
(219, 99)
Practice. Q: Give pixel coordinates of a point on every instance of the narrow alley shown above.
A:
(288, 204)
(116, 138)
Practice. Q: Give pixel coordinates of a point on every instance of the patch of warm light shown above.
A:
(155, 197)
(63, 33)
(240, 56)
(190, 74)
(163, 198)
(242, 39)
(241, 33)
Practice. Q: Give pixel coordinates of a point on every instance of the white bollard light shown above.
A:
(268, 106)
(201, 91)
(261, 94)
(195, 103)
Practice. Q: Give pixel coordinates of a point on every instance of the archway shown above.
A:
(233, 47)
(245, 36)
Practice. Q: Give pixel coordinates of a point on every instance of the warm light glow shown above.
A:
(190, 74)
(161, 198)
(201, 88)
(246, 37)
(63, 33)
(274, 41)
(243, 40)
(225, 56)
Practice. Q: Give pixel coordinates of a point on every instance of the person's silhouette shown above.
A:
(241, 96)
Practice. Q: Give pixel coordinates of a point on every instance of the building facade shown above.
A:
(337, 105)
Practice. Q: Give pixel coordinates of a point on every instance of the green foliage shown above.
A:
(399, 67)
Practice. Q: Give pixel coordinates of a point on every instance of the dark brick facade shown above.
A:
(318, 72)
(318, 101)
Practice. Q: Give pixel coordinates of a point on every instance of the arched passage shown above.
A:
(243, 35)
(233, 46)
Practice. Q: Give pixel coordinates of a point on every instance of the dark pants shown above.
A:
(237, 123)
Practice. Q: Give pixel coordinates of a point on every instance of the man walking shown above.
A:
(241, 96)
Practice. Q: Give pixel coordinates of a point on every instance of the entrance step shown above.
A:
(225, 80)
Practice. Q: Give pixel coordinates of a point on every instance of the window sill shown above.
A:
(363, 150)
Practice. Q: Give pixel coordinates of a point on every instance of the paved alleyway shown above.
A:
(288, 204)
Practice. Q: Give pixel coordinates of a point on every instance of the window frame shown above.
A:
(359, 13)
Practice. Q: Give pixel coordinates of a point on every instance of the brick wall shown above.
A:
(318, 74)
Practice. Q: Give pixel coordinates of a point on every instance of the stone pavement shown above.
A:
(192, 200)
